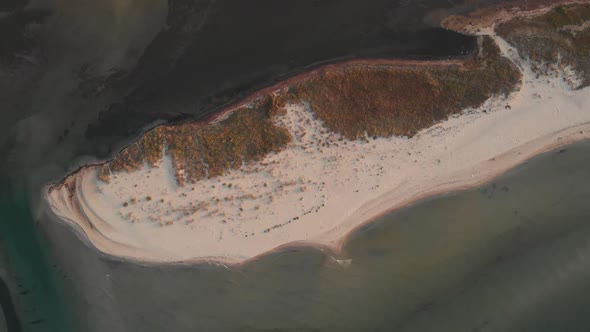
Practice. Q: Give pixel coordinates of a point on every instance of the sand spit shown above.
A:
(320, 188)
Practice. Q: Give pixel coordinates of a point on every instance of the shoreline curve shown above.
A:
(335, 247)
(456, 179)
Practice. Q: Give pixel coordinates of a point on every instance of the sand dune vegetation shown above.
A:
(555, 41)
(354, 100)
(200, 150)
(401, 100)
(308, 161)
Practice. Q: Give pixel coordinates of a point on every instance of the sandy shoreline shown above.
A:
(484, 173)
(374, 209)
(312, 194)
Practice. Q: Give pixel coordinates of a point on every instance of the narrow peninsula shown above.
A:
(309, 160)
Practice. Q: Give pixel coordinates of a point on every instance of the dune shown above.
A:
(321, 186)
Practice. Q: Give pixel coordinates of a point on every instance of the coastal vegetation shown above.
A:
(198, 150)
(353, 100)
(553, 41)
(359, 101)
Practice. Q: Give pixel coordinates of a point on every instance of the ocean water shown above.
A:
(29, 296)
(512, 255)
(172, 59)
(8, 319)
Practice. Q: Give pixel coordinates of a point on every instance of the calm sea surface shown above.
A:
(509, 256)
(512, 255)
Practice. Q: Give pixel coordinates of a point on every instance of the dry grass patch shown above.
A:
(198, 151)
(560, 37)
(358, 100)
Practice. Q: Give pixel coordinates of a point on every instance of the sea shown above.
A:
(510, 255)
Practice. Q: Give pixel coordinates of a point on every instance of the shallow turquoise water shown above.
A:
(513, 255)
(35, 292)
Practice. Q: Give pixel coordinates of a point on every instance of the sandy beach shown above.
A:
(321, 187)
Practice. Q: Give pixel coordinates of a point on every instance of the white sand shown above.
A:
(315, 194)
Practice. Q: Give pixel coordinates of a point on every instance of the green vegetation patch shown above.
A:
(559, 38)
(361, 100)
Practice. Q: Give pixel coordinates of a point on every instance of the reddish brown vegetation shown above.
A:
(385, 100)
(199, 150)
(354, 100)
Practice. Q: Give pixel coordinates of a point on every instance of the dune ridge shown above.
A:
(322, 185)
